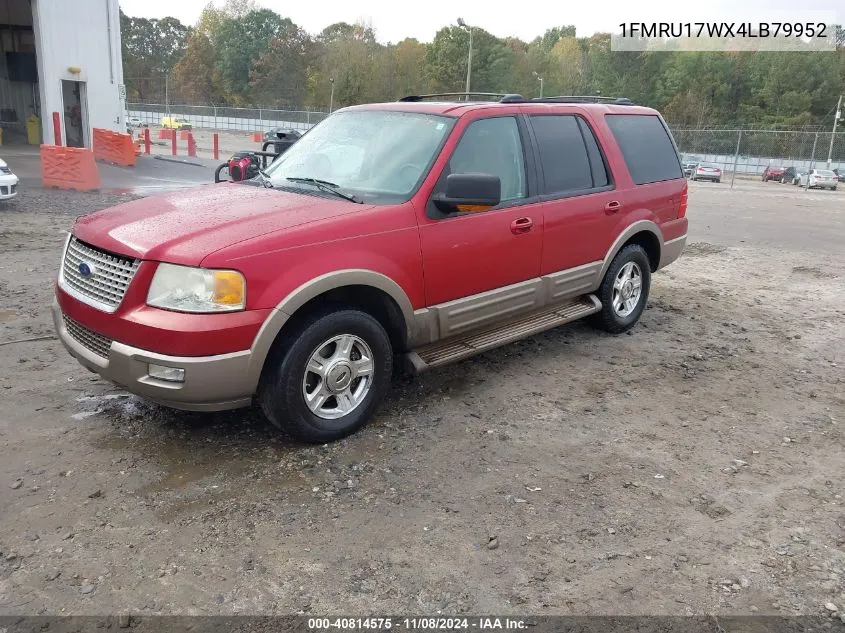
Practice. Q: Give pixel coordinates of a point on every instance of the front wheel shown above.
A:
(328, 377)
(624, 290)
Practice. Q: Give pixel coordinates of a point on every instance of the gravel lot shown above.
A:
(695, 466)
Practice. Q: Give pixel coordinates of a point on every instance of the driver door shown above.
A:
(482, 266)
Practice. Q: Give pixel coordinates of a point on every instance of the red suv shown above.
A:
(413, 232)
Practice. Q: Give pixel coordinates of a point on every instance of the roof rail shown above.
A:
(494, 96)
(503, 97)
(583, 99)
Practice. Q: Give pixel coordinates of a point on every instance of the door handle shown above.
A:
(613, 206)
(522, 225)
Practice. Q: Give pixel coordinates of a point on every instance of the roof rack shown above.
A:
(499, 96)
(502, 97)
(583, 99)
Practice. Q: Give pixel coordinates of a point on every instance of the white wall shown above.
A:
(86, 34)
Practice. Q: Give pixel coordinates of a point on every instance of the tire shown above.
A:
(718, 180)
(286, 381)
(610, 319)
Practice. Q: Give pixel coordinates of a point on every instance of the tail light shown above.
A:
(682, 206)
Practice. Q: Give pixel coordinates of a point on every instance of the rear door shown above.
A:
(579, 202)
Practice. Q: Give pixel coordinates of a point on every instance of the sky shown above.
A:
(394, 20)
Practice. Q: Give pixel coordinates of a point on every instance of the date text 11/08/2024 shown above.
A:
(417, 624)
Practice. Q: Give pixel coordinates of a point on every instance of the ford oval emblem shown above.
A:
(86, 269)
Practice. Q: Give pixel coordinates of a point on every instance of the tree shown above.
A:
(150, 49)
(194, 77)
(279, 75)
(240, 41)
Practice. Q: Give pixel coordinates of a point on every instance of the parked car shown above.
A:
(773, 173)
(8, 182)
(839, 175)
(789, 175)
(175, 123)
(707, 171)
(690, 165)
(135, 121)
(457, 228)
(799, 174)
(820, 179)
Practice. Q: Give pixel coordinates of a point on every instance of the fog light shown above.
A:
(173, 374)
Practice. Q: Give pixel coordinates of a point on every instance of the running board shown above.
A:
(466, 345)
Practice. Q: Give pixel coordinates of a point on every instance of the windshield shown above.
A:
(376, 156)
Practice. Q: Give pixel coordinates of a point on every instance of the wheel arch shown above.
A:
(643, 232)
(367, 290)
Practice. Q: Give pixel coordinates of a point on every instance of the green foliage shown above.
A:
(241, 54)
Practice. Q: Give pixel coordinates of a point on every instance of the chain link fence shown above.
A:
(226, 118)
(745, 153)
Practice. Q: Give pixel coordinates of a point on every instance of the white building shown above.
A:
(60, 56)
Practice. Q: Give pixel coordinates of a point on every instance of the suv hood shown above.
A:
(185, 226)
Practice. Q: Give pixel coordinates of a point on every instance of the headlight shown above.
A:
(188, 289)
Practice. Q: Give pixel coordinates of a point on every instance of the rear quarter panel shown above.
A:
(658, 202)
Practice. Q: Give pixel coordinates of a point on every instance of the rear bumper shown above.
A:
(672, 250)
(211, 383)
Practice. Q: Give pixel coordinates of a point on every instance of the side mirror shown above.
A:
(469, 192)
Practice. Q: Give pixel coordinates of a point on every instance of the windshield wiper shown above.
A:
(265, 179)
(325, 185)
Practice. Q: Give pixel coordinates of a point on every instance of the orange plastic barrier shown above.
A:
(138, 149)
(69, 168)
(257, 137)
(184, 135)
(114, 147)
(165, 134)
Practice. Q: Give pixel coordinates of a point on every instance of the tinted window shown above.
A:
(597, 164)
(492, 146)
(563, 154)
(646, 146)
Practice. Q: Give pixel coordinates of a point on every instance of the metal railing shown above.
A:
(226, 118)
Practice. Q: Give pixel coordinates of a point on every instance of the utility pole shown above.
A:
(540, 79)
(331, 98)
(166, 93)
(833, 133)
(464, 25)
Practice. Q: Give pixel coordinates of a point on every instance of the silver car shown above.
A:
(819, 178)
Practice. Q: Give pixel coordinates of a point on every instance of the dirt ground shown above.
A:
(695, 466)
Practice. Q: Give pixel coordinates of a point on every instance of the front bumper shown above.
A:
(8, 186)
(211, 383)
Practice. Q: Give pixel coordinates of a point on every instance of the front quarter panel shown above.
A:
(383, 240)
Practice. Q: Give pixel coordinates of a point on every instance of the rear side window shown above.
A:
(569, 155)
(647, 147)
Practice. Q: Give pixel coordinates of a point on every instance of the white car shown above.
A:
(135, 121)
(821, 178)
(8, 182)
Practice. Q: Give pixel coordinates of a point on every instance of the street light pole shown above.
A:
(540, 79)
(331, 98)
(833, 134)
(464, 25)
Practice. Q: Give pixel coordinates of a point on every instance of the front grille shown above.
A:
(89, 339)
(4, 190)
(111, 274)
